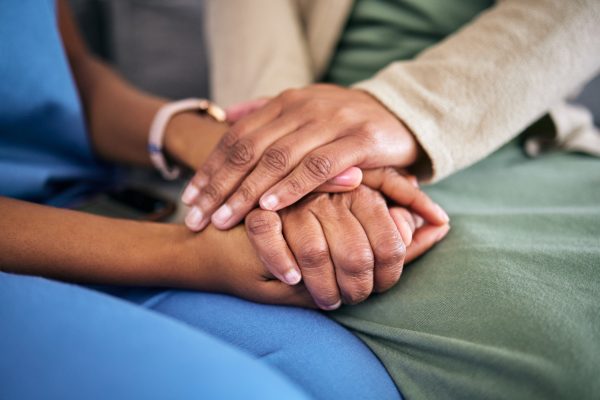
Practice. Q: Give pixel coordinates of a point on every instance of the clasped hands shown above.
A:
(286, 154)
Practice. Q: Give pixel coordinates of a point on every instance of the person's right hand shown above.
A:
(345, 246)
(238, 271)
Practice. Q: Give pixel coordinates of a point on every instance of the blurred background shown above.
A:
(160, 45)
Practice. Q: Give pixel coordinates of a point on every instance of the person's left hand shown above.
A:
(343, 246)
(291, 145)
(347, 245)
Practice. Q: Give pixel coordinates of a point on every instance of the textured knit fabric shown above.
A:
(379, 32)
(45, 155)
(507, 306)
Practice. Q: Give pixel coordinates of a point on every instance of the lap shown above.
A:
(64, 341)
(312, 350)
(507, 305)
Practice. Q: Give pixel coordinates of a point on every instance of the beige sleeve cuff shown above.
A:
(479, 88)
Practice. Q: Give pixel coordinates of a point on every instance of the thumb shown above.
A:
(346, 181)
(240, 110)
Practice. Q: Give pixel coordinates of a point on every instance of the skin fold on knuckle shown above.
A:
(212, 192)
(390, 253)
(247, 193)
(318, 167)
(312, 258)
(260, 223)
(241, 154)
(230, 138)
(276, 160)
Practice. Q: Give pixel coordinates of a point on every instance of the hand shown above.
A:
(344, 246)
(238, 271)
(290, 146)
(420, 227)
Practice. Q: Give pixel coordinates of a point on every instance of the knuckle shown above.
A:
(230, 138)
(212, 192)
(295, 186)
(369, 128)
(260, 222)
(357, 293)
(277, 159)
(344, 114)
(358, 264)
(241, 153)
(247, 193)
(390, 252)
(312, 257)
(290, 95)
(319, 167)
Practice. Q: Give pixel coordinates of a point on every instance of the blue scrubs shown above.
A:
(65, 341)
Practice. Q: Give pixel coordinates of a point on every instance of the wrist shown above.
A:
(184, 259)
(190, 137)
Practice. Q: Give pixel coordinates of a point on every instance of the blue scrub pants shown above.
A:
(63, 341)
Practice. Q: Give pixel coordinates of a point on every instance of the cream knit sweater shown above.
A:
(462, 99)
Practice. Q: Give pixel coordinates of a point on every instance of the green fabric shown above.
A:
(508, 305)
(379, 32)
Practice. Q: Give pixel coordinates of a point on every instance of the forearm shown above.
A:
(119, 116)
(466, 96)
(74, 246)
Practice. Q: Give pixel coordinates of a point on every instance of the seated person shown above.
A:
(507, 306)
(85, 344)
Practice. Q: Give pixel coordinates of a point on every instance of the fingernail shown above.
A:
(292, 277)
(419, 222)
(441, 213)
(269, 202)
(413, 180)
(332, 307)
(344, 180)
(194, 218)
(189, 194)
(222, 215)
(442, 234)
(202, 181)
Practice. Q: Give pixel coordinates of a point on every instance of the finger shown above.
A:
(402, 218)
(307, 241)
(277, 161)
(315, 169)
(400, 189)
(389, 249)
(238, 111)
(264, 230)
(424, 239)
(275, 292)
(348, 180)
(351, 254)
(218, 156)
(241, 157)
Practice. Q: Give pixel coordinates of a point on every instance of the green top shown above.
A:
(379, 32)
(508, 305)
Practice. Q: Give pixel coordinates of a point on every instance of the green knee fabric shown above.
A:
(508, 305)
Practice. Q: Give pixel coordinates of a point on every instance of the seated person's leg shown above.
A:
(318, 354)
(60, 341)
(507, 305)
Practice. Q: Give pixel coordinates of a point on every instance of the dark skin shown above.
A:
(75, 246)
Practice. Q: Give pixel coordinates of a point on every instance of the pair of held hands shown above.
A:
(286, 154)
